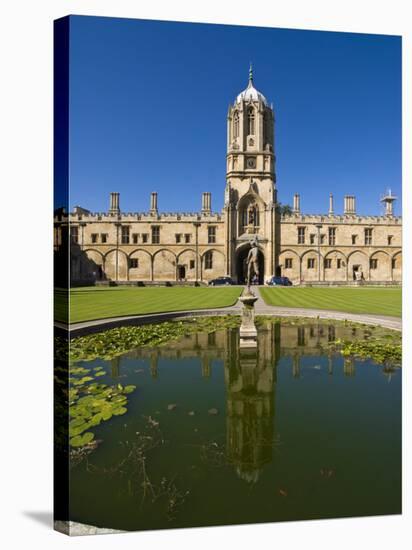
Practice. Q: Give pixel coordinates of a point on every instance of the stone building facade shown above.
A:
(153, 246)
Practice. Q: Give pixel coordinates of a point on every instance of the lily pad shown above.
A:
(80, 440)
(119, 411)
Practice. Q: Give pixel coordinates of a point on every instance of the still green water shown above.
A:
(217, 436)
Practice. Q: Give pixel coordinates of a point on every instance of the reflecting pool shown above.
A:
(216, 435)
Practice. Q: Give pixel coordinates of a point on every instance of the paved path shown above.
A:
(261, 308)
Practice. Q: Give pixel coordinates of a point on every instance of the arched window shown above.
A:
(251, 121)
(236, 125)
(209, 260)
(249, 218)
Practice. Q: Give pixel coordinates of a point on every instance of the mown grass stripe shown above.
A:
(97, 303)
(386, 301)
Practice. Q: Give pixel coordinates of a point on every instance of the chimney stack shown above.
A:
(349, 204)
(331, 205)
(206, 203)
(153, 203)
(296, 203)
(114, 203)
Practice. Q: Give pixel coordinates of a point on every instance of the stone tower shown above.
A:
(250, 195)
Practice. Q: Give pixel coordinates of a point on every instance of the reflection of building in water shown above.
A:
(250, 377)
(296, 366)
(206, 347)
(115, 364)
(330, 364)
(349, 366)
(206, 366)
(153, 364)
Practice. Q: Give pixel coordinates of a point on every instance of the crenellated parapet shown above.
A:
(148, 217)
(344, 219)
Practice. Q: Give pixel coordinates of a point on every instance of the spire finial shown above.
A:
(250, 72)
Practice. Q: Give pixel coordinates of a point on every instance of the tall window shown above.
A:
(301, 235)
(373, 263)
(74, 234)
(94, 238)
(332, 236)
(135, 238)
(211, 234)
(236, 125)
(155, 234)
(312, 238)
(368, 235)
(390, 237)
(266, 122)
(288, 263)
(134, 263)
(251, 121)
(311, 263)
(354, 239)
(125, 234)
(327, 262)
(103, 237)
(178, 237)
(145, 237)
(209, 260)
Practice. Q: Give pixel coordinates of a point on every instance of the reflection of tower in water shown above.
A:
(250, 376)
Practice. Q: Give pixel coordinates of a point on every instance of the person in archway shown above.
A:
(252, 262)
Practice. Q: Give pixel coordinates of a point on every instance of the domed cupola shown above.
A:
(250, 93)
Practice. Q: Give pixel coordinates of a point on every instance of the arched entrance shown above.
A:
(241, 265)
(181, 272)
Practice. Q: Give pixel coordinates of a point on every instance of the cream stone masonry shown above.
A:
(154, 246)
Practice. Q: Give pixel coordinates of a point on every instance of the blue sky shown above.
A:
(148, 106)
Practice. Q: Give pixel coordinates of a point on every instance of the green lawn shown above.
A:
(385, 301)
(98, 303)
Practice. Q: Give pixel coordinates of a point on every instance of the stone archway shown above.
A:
(241, 266)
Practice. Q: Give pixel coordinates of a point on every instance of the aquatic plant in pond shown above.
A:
(92, 403)
(116, 341)
(378, 343)
(376, 349)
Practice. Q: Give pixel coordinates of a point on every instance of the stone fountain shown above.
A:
(248, 331)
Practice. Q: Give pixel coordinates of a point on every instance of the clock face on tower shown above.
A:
(251, 162)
